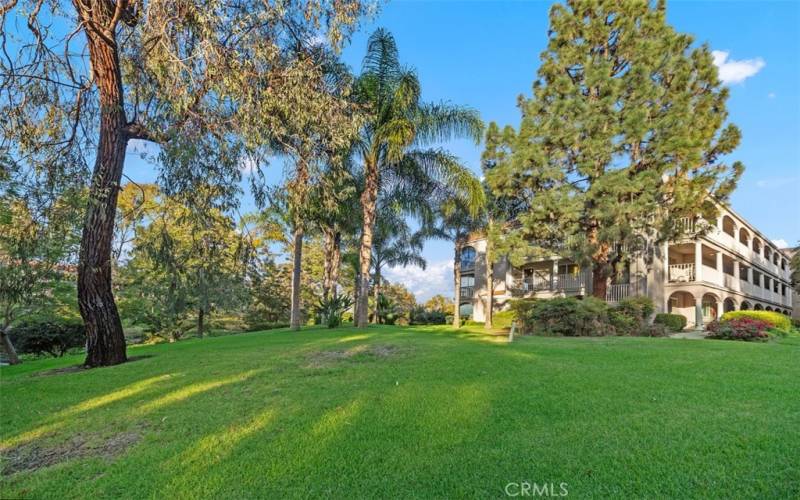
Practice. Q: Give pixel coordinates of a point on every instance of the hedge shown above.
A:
(675, 322)
(774, 319)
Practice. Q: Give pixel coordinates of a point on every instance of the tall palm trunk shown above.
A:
(457, 279)
(297, 261)
(376, 292)
(200, 319)
(105, 341)
(369, 201)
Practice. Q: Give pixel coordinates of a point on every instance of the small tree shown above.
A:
(623, 137)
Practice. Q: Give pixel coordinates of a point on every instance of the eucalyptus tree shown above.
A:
(624, 136)
(394, 244)
(393, 143)
(94, 75)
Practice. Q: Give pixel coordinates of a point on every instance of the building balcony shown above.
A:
(467, 292)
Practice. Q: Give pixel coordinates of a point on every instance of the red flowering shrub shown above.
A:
(746, 329)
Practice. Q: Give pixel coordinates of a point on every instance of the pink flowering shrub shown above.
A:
(746, 329)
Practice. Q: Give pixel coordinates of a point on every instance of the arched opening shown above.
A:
(744, 237)
(767, 253)
(728, 305)
(783, 264)
(775, 257)
(728, 226)
(745, 306)
(710, 306)
(757, 245)
(768, 308)
(682, 303)
(467, 258)
(758, 307)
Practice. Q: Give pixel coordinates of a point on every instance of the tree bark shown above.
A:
(457, 279)
(105, 341)
(294, 321)
(327, 266)
(376, 293)
(369, 203)
(200, 318)
(336, 265)
(599, 281)
(13, 359)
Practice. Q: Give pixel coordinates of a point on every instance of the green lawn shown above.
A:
(408, 412)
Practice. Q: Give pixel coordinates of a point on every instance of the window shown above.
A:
(467, 258)
(572, 269)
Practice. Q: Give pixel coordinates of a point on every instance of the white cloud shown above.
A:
(776, 182)
(780, 243)
(436, 278)
(771, 95)
(732, 71)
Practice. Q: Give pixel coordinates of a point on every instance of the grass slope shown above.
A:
(409, 412)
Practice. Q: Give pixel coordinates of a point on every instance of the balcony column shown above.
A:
(719, 261)
(666, 263)
(698, 313)
(698, 261)
(736, 270)
(554, 275)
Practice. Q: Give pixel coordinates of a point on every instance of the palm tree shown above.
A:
(455, 223)
(390, 143)
(393, 244)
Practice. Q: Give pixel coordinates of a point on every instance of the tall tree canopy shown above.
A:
(624, 135)
(392, 146)
(199, 77)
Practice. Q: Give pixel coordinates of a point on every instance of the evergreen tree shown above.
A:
(623, 137)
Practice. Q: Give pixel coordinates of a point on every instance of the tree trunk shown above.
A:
(457, 279)
(356, 296)
(13, 359)
(376, 293)
(200, 318)
(599, 281)
(105, 341)
(336, 263)
(294, 321)
(369, 203)
(327, 265)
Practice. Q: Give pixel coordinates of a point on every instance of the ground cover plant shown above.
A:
(417, 411)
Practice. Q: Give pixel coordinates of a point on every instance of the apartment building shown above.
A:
(730, 267)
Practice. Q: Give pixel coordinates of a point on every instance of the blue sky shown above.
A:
(485, 54)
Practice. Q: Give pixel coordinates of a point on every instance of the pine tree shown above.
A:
(623, 137)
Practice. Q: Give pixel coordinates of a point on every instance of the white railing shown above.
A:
(536, 282)
(571, 281)
(467, 292)
(681, 272)
(615, 293)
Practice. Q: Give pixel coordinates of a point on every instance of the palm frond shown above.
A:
(443, 122)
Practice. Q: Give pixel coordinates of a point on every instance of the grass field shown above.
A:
(408, 412)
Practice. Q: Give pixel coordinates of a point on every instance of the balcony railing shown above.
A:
(681, 272)
(535, 283)
(615, 293)
(467, 292)
(571, 281)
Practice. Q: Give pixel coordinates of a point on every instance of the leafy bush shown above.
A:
(569, 317)
(746, 329)
(774, 319)
(503, 319)
(522, 312)
(639, 308)
(675, 322)
(332, 310)
(623, 323)
(654, 330)
(420, 316)
(257, 327)
(53, 338)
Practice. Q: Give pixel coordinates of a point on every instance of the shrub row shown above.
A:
(747, 329)
(674, 322)
(773, 319)
(53, 338)
(420, 316)
(588, 317)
